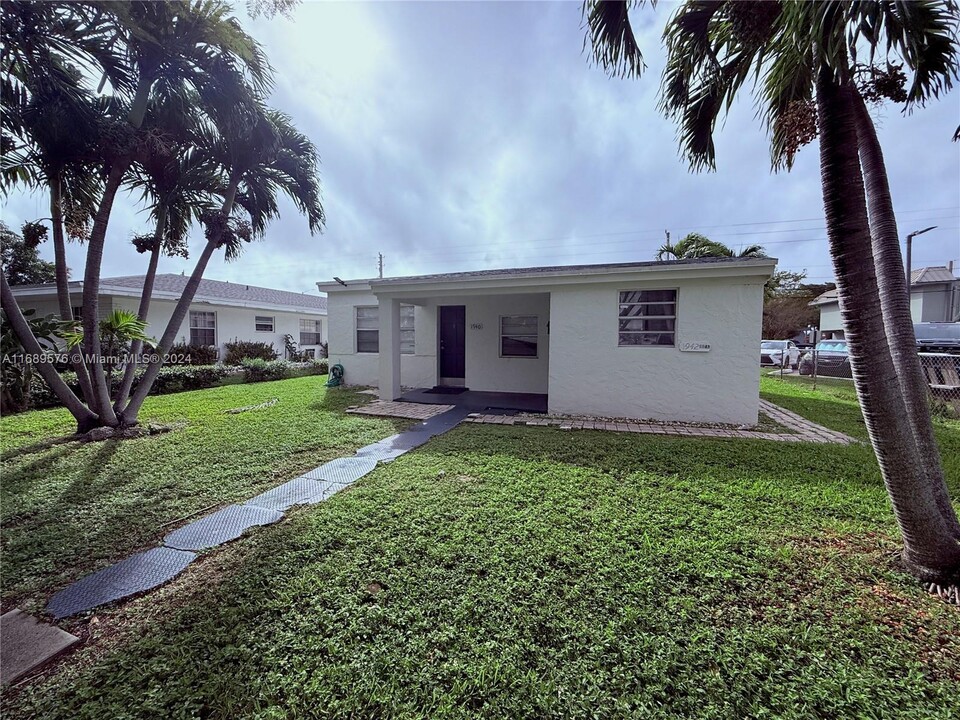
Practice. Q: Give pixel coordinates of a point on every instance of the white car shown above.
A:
(782, 353)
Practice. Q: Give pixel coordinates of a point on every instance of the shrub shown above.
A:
(176, 378)
(240, 350)
(184, 354)
(259, 370)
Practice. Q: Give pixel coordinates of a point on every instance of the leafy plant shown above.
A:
(260, 370)
(239, 350)
(16, 367)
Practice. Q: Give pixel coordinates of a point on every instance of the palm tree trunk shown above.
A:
(895, 303)
(91, 295)
(129, 414)
(145, 296)
(86, 420)
(930, 552)
(63, 283)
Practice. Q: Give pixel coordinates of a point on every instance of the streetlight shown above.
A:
(909, 245)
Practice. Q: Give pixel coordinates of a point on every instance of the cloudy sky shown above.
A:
(461, 136)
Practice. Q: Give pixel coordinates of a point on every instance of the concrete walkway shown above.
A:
(803, 430)
(152, 568)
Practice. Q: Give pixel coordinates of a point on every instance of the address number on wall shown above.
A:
(694, 347)
(476, 326)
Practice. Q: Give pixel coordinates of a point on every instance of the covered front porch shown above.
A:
(475, 350)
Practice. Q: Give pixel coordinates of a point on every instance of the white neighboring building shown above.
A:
(220, 312)
(934, 297)
(672, 340)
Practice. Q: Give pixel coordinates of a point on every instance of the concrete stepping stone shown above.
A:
(220, 527)
(26, 644)
(299, 491)
(343, 471)
(135, 574)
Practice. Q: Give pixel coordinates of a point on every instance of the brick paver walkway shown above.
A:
(409, 410)
(803, 430)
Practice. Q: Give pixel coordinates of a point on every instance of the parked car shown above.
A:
(938, 337)
(782, 353)
(829, 357)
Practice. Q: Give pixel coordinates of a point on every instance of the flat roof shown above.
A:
(550, 271)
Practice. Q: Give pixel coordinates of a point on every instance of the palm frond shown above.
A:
(610, 35)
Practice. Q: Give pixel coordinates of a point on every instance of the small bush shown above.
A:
(259, 370)
(240, 350)
(184, 354)
(176, 378)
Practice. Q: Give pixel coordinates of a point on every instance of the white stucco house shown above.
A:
(934, 297)
(220, 312)
(672, 340)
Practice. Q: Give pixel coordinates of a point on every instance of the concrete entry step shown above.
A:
(26, 644)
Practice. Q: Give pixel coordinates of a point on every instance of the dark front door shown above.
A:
(453, 320)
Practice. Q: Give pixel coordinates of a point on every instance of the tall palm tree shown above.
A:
(198, 44)
(204, 47)
(800, 55)
(259, 160)
(178, 179)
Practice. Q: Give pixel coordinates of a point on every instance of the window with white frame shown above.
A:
(368, 329)
(648, 317)
(203, 327)
(518, 335)
(77, 312)
(407, 335)
(311, 331)
(263, 323)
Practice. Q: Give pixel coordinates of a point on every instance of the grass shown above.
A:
(71, 508)
(515, 572)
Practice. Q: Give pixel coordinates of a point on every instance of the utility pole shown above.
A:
(910, 238)
(380, 265)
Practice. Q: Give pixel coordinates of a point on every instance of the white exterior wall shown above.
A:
(830, 320)
(417, 370)
(485, 370)
(232, 322)
(590, 374)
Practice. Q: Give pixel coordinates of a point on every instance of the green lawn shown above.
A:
(72, 508)
(515, 572)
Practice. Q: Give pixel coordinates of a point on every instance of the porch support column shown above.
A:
(389, 349)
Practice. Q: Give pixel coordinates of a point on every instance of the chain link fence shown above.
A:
(940, 370)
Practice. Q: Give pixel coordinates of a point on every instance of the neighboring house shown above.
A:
(220, 311)
(934, 297)
(673, 340)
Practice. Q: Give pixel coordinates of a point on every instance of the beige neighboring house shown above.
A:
(220, 312)
(673, 340)
(934, 297)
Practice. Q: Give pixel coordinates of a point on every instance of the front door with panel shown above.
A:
(453, 321)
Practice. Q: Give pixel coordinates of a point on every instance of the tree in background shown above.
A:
(805, 60)
(695, 245)
(786, 304)
(22, 264)
(180, 102)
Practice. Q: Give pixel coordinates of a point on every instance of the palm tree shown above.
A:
(178, 179)
(203, 46)
(135, 45)
(800, 55)
(266, 157)
(695, 245)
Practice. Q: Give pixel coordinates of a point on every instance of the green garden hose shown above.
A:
(336, 376)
